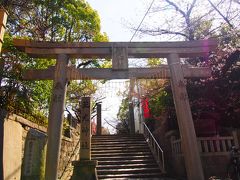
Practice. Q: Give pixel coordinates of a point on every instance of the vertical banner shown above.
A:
(146, 110)
(85, 150)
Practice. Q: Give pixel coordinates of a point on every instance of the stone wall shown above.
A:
(215, 155)
(12, 150)
(24, 149)
(69, 152)
(212, 166)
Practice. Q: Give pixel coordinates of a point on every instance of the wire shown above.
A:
(142, 20)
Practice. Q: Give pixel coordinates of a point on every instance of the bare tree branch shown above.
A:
(191, 7)
(186, 16)
(224, 17)
(176, 7)
(163, 31)
(229, 7)
(110, 124)
(236, 1)
(84, 64)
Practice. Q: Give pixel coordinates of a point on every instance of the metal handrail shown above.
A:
(155, 147)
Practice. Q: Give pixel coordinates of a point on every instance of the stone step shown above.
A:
(118, 149)
(96, 143)
(120, 166)
(95, 155)
(118, 135)
(124, 157)
(107, 149)
(118, 139)
(126, 162)
(121, 150)
(144, 178)
(129, 176)
(116, 146)
(119, 145)
(128, 171)
(104, 146)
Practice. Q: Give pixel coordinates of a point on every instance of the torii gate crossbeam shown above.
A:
(120, 52)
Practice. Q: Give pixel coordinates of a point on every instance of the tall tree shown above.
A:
(194, 20)
(50, 20)
(191, 20)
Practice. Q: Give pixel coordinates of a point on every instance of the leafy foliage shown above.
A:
(51, 20)
(54, 20)
(123, 114)
(214, 98)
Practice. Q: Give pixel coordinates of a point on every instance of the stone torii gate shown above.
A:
(120, 52)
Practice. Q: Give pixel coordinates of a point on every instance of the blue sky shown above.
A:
(116, 15)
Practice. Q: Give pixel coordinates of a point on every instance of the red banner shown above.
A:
(146, 110)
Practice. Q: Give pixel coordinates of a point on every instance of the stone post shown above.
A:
(85, 149)
(85, 168)
(99, 119)
(235, 138)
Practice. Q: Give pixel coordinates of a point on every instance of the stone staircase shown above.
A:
(124, 157)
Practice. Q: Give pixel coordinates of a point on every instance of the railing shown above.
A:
(154, 146)
(176, 147)
(209, 145)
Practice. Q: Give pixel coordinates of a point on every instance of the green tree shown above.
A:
(54, 20)
(123, 116)
(51, 20)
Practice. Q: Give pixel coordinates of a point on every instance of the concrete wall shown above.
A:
(24, 147)
(12, 150)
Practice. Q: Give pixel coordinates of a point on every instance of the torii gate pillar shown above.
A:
(3, 21)
(56, 117)
(186, 127)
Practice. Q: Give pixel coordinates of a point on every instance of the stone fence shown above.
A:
(214, 151)
(24, 147)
